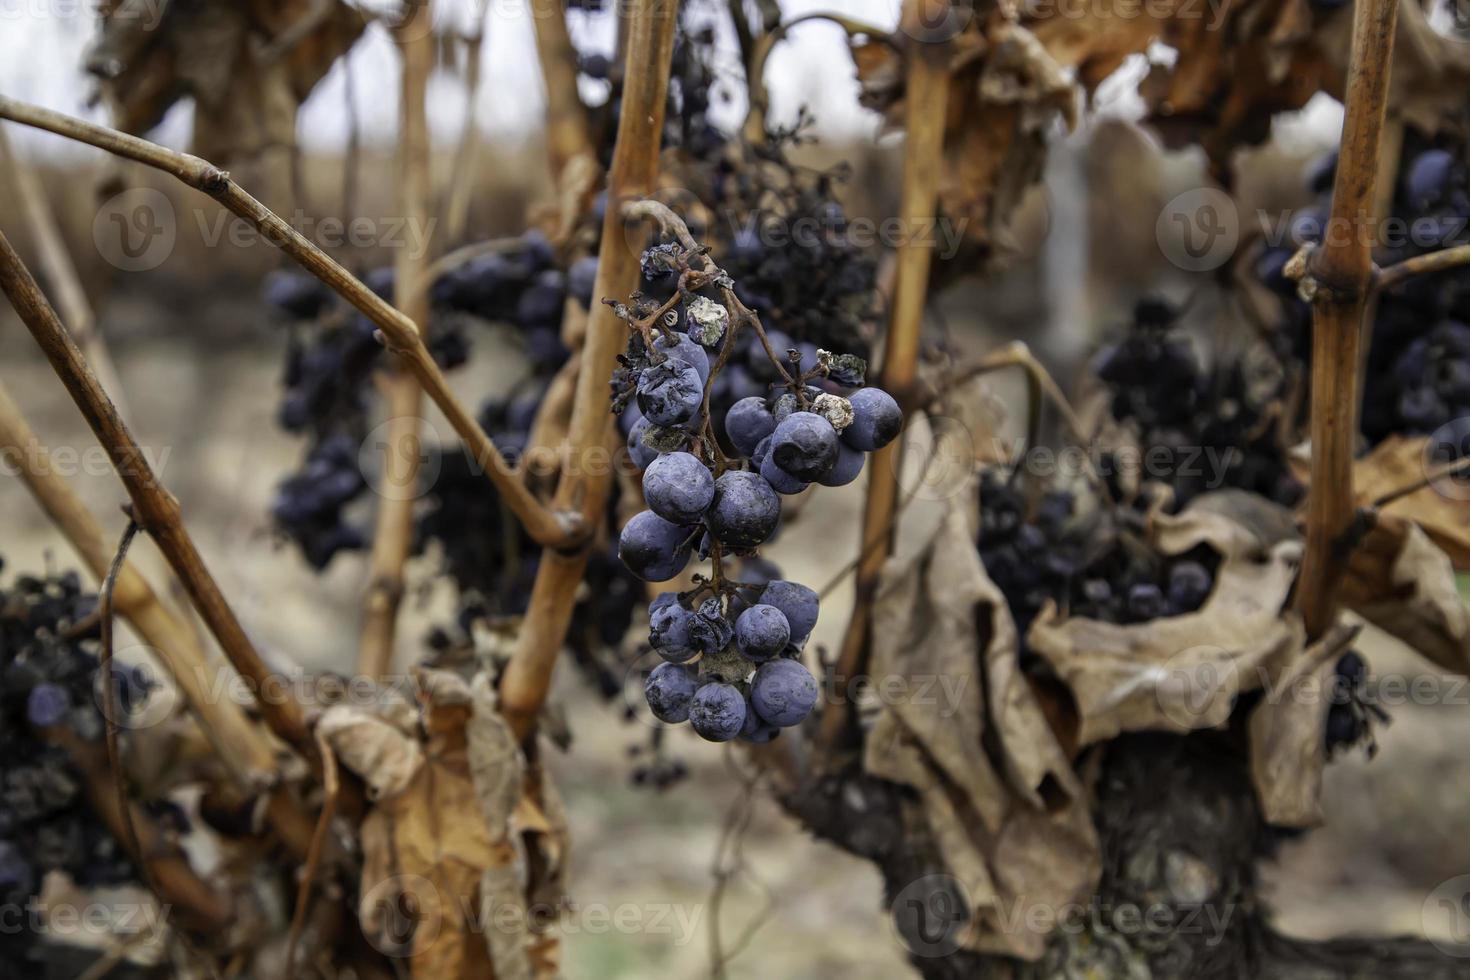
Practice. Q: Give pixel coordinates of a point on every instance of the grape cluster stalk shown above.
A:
(731, 646)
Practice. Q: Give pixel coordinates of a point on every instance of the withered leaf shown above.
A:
(1288, 734)
(1399, 463)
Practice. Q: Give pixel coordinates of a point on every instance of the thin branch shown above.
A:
(462, 174)
(330, 787)
(244, 748)
(397, 331)
(568, 134)
(61, 271)
(1342, 272)
(754, 129)
(154, 507)
(1422, 265)
(527, 678)
(109, 697)
(926, 97)
(393, 533)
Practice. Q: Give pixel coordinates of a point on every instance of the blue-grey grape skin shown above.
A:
(797, 603)
(849, 466)
(670, 393)
(717, 712)
(876, 420)
(745, 510)
(671, 631)
(783, 692)
(747, 423)
(641, 455)
(804, 445)
(678, 488)
(710, 630)
(780, 481)
(759, 454)
(47, 704)
(653, 548)
(686, 351)
(762, 632)
(669, 690)
(755, 730)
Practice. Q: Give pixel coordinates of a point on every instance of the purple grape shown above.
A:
(678, 488)
(653, 548)
(797, 603)
(669, 690)
(710, 630)
(747, 423)
(541, 303)
(685, 351)
(849, 466)
(754, 730)
(761, 451)
(805, 445)
(779, 479)
(641, 455)
(1427, 177)
(717, 712)
(582, 279)
(1189, 586)
(745, 510)
(670, 393)
(876, 420)
(762, 632)
(47, 705)
(1146, 601)
(783, 692)
(671, 631)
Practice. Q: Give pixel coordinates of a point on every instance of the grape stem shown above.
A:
(1342, 276)
(1394, 275)
(244, 748)
(527, 677)
(403, 395)
(925, 103)
(561, 529)
(157, 509)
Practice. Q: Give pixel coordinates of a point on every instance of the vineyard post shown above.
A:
(1341, 273)
(925, 99)
(585, 481)
(401, 444)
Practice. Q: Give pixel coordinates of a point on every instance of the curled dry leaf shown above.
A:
(1288, 734)
(1401, 582)
(428, 848)
(1182, 673)
(1398, 464)
(943, 639)
(384, 756)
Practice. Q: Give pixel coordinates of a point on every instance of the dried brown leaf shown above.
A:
(1399, 580)
(1397, 464)
(1288, 734)
(1181, 673)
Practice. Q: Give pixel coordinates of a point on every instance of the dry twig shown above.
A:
(1342, 272)
(399, 334)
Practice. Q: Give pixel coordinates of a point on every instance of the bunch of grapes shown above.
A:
(1097, 565)
(1210, 428)
(48, 672)
(732, 649)
(1417, 375)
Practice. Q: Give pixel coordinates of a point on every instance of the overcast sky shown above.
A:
(42, 44)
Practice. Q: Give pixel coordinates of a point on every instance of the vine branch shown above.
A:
(397, 332)
(1343, 271)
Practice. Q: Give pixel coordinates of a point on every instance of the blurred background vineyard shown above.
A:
(199, 357)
